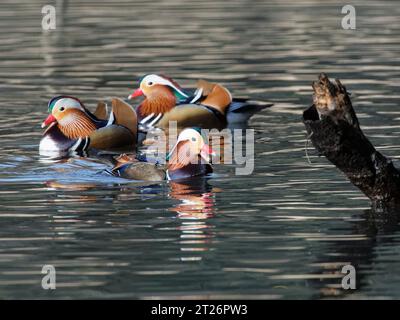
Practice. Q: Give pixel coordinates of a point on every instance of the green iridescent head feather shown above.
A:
(54, 100)
(179, 96)
(52, 103)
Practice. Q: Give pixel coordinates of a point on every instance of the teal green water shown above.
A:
(283, 232)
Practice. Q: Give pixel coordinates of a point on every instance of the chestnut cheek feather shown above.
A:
(76, 125)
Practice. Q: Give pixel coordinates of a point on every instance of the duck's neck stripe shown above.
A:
(144, 120)
(155, 120)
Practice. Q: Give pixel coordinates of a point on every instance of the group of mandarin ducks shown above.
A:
(71, 127)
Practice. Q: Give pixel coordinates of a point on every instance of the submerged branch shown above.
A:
(333, 128)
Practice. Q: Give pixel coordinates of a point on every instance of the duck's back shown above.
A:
(193, 115)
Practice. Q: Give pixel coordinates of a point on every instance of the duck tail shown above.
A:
(241, 110)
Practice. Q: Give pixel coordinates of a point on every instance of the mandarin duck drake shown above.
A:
(210, 106)
(189, 157)
(72, 127)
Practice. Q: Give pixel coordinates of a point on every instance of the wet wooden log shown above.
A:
(334, 130)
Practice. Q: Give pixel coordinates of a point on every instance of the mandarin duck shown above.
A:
(189, 157)
(72, 127)
(210, 106)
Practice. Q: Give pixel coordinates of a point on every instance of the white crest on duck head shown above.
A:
(152, 79)
(68, 103)
(191, 135)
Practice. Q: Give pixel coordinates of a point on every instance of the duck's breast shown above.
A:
(191, 170)
(54, 141)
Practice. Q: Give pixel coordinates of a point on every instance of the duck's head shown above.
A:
(161, 93)
(190, 148)
(150, 84)
(71, 117)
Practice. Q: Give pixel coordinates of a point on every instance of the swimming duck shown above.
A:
(210, 106)
(72, 127)
(189, 157)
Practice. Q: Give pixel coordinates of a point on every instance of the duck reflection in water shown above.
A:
(195, 209)
(196, 198)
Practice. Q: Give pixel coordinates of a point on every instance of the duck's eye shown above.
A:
(62, 109)
(150, 83)
(193, 139)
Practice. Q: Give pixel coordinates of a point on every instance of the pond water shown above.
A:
(283, 232)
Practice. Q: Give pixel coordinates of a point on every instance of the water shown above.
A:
(283, 232)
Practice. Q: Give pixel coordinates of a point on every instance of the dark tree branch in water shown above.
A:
(333, 128)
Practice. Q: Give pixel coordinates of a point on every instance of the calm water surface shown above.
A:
(283, 232)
